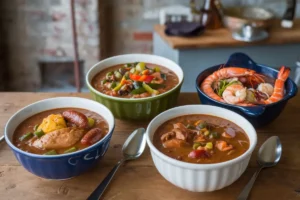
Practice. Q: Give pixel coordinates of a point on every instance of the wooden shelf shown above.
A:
(222, 37)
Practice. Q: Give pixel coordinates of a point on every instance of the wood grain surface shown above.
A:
(139, 180)
(222, 37)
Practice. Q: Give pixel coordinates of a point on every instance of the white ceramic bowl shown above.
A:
(200, 177)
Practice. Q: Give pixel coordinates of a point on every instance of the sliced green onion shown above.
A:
(103, 82)
(202, 125)
(196, 145)
(132, 70)
(209, 145)
(118, 75)
(71, 150)
(137, 84)
(113, 85)
(156, 69)
(138, 91)
(215, 135)
(39, 133)
(27, 136)
(163, 76)
(149, 89)
(35, 127)
(156, 86)
(206, 133)
(91, 122)
(140, 66)
(126, 75)
(52, 152)
(109, 74)
(189, 126)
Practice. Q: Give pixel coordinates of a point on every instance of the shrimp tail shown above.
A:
(284, 73)
(278, 93)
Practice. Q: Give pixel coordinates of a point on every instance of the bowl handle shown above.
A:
(293, 91)
(253, 110)
(240, 60)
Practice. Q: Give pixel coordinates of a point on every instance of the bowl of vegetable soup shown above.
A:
(135, 86)
(60, 138)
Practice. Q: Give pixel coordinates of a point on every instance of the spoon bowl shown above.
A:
(134, 145)
(268, 155)
(270, 152)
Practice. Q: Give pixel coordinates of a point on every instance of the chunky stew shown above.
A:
(135, 80)
(60, 131)
(201, 139)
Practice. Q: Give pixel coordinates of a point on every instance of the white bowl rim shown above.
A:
(132, 99)
(196, 165)
(59, 155)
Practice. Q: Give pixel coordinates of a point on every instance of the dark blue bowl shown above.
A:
(66, 165)
(257, 115)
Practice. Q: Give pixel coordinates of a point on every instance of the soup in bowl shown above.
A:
(60, 138)
(201, 148)
(135, 86)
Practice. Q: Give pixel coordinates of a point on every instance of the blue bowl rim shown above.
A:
(14, 148)
(289, 95)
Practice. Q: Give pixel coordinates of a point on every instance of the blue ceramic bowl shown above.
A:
(66, 165)
(257, 115)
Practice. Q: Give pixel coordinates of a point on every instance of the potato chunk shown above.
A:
(52, 123)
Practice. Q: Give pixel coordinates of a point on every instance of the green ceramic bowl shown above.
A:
(136, 109)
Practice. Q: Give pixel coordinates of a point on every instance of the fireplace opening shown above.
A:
(57, 75)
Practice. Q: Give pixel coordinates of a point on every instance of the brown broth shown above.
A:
(170, 82)
(28, 125)
(219, 125)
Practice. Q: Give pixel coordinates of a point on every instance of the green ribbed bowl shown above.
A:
(136, 109)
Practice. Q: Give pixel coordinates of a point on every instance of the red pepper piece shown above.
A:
(199, 154)
(143, 78)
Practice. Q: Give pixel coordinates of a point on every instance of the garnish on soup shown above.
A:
(135, 80)
(60, 131)
(201, 139)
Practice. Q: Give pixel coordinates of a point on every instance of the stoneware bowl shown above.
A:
(200, 177)
(257, 115)
(66, 165)
(136, 109)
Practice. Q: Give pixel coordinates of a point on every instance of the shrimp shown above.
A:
(235, 94)
(278, 92)
(223, 146)
(224, 73)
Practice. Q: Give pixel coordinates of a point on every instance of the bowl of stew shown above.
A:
(201, 148)
(59, 138)
(135, 86)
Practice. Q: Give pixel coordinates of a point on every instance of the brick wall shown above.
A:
(132, 33)
(36, 29)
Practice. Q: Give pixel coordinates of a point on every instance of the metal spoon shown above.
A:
(132, 149)
(268, 156)
(1, 138)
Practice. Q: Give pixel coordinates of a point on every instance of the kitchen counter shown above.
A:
(140, 179)
(215, 46)
(222, 37)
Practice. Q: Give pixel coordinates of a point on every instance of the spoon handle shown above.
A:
(1, 138)
(246, 191)
(97, 193)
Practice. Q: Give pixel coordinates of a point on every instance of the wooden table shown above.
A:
(139, 179)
